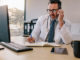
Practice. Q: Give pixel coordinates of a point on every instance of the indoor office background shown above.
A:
(36, 8)
(22, 12)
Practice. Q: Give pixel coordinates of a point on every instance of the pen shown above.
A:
(31, 39)
(31, 35)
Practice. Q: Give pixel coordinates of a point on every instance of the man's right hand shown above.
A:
(31, 39)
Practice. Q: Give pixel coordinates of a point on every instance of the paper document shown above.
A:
(41, 44)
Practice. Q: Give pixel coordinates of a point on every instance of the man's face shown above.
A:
(52, 10)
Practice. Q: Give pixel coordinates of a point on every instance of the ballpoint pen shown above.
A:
(31, 36)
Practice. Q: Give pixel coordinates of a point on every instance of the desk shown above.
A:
(38, 53)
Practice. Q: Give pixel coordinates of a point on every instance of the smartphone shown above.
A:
(58, 50)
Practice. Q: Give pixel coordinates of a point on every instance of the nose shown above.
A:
(52, 13)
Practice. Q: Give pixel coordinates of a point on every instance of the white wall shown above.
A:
(36, 8)
(72, 10)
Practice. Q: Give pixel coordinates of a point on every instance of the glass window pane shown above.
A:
(16, 15)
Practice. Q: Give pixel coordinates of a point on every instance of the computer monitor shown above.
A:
(4, 24)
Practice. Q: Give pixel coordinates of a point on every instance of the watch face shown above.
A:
(58, 50)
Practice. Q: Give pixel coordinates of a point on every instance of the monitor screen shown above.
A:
(4, 24)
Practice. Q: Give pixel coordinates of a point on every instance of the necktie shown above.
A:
(51, 31)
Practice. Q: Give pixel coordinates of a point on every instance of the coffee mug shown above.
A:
(76, 48)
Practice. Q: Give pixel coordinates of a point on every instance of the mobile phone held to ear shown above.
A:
(58, 50)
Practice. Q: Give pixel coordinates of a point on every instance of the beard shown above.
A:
(53, 16)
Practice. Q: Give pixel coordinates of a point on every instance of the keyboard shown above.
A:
(16, 47)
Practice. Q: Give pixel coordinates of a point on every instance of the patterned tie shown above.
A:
(51, 31)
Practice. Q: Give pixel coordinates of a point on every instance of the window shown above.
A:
(16, 15)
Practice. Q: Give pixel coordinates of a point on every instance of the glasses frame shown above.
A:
(52, 10)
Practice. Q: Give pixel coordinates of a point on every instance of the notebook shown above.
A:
(43, 44)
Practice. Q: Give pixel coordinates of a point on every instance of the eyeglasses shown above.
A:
(53, 10)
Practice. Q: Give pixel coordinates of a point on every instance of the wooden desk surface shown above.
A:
(38, 53)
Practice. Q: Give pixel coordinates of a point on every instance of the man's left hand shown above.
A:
(60, 17)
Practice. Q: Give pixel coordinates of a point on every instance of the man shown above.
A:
(43, 30)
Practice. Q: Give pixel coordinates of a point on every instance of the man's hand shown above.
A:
(60, 17)
(31, 39)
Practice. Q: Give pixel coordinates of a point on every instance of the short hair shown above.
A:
(55, 1)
